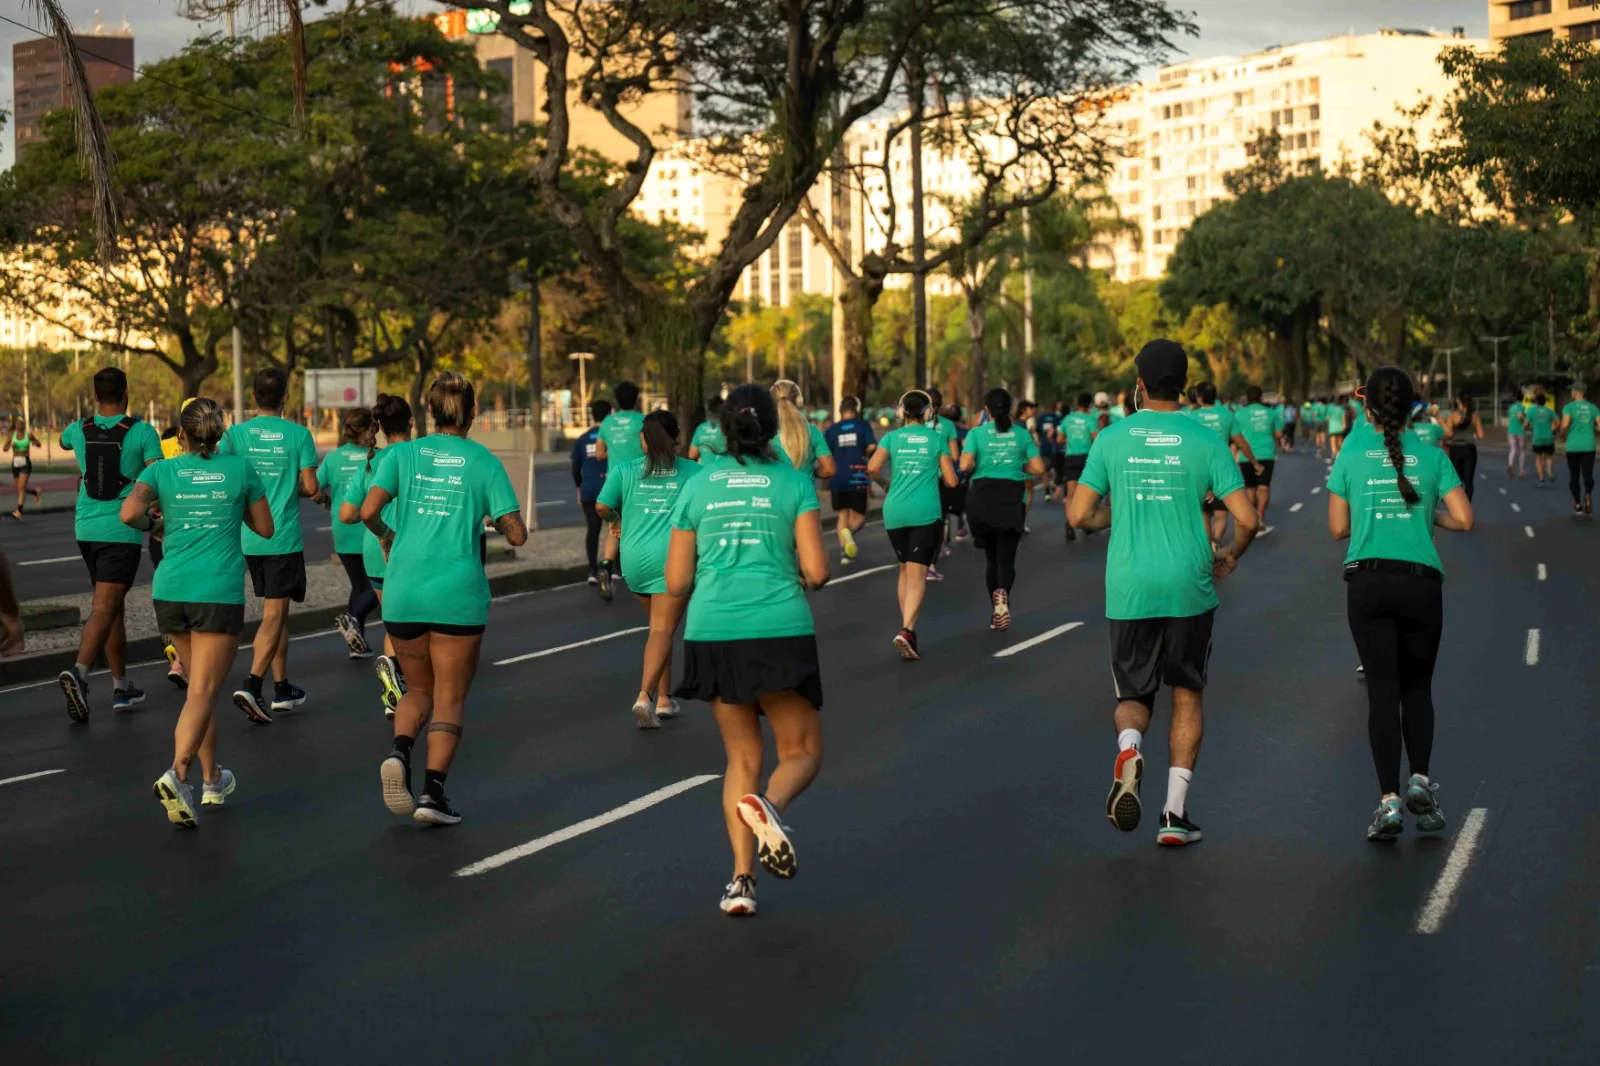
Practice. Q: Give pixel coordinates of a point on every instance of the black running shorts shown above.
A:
(917, 544)
(417, 630)
(850, 500)
(111, 563)
(25, 468)
(278, 577)
(742, 671)
(1073, 469)
(1267, 467)
(1149, 652)
(175, 617)
(1058, 465)
(1544, 449)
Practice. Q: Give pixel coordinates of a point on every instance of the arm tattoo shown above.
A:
(143, 493)
(510, 525)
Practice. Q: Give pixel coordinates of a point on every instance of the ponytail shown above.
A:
(203, 425)
(1390, 395)
(793, 429)
(660, 443)
(749, 422)
(998, 403)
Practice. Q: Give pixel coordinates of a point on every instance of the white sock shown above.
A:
(1177, 790)
(119, 683)
(83, 670)
(1129, 738)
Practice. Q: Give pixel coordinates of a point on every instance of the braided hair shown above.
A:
(1390, 395)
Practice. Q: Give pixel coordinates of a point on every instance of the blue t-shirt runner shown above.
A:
(850, 439)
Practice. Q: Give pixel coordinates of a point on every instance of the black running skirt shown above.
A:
(739, 671)
(995, 504)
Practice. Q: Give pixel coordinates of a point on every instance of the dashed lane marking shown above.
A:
(1444, 893)
(30, 777)
(1529, 531)
(1517, 508)
(550, 840)
(1316, 489)
(569, 647)
(858, 573)
(1543, 573)
(57, 559)
(1004, 653)
(1296, 508)
(1502, 492)
(1530, 650)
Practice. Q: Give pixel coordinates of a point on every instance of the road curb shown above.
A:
(42, 666)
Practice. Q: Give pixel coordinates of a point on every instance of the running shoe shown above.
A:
(127, 697)
(944, 551)
(593, 580)
(435, 810)
(217, 794)
(1122, 805)
(1177, 831)
(644, 712)
(1361, 671)
(76, 688)
(177, 798)
(739, 898)
(1000, 620)
(773, 848)
(1387, 821)
(346, 626)
(1422, 800)
(669, 709)
(849, 540)
(1265, 530)
(287, 697)
(253, 704)
(395, 773)
(605, 584)
(1577, 508)
(905, 643)
(961, 532)
(934, 575)
(394, 685)
(1588, 505)
(1027, 529)
(1072, 534)
(175, 669)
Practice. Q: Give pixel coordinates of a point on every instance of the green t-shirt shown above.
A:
(1516, 420)
(946, 430)
(708, 437)
(819, 448)
(443, 487)
(1381, 525)
(913, 498)
(1117, 412)
(277, 450)
(1429, 432)
(1336, 417)
(1260, 425)
(1542, 421)
(355, 492)
(1358, 418)
(620, 430)
(1079, 429)
(1218, 420)
(1158, 470)
(746, 578)
(100, 521)
(334, 474)
(999, 455)
(645, 504)
(202, 506)
(1319, 412)
(1580, 435)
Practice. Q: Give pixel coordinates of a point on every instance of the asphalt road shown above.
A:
(44, 552)
(962, 898)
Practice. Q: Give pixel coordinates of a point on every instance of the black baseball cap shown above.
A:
(1163, 366)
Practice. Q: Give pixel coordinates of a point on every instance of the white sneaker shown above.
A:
(217, 794)
(644, 712)
(739, 898)
(773, 847)
(177, 798)
(669, 709)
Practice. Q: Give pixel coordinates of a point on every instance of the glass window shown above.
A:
(1316, 112)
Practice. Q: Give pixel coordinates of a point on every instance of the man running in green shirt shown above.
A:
(1577, 426)
(1542, 426)
(1077, 432)
(1262, 426)
(708, 435)
(618, 444)
(1160, 566)
(1224, 423)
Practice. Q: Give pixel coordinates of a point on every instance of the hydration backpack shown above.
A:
(102, 459)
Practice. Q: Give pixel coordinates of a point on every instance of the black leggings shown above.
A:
(363, 601)
(1580, 466)
(1000, 551)
(1464, 457)
(1396, 620)
(591, 534)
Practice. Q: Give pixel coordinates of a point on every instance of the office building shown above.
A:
(40, 76)
(1544, 20)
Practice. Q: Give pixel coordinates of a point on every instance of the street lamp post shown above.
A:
(583, 358)
(1449, 370)
(1496, 341)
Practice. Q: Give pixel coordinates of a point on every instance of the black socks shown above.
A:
(433, 784)
(403, 746)
(253, 682)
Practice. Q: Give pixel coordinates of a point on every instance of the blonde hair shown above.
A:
(794, 432)
(451, 401)
(203, 424)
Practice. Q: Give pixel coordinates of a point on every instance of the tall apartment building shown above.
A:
(40, 76)
(1543, 20)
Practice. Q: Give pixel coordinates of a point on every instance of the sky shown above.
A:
(1227, 27)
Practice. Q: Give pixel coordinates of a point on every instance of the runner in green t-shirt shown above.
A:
(204, 499)
(641, 495)
(1262, 426)
(708, 434)
(747, 542)
(952, 501)
(358, 434)
(1577, 426)
(1542, 422)
(807, 449)
(1225, 424)
(919, 462)
(1516, 440)
(618, 443)
(1077, 432)
(1423, 425)
(1383, 494)
(1158, 465)
(1001, 458)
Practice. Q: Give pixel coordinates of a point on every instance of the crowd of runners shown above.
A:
(719, 530)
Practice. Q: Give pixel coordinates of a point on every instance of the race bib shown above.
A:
(18, 462)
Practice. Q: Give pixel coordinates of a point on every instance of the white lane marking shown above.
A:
(1502, 492)
(30, 777)
(550, 503)
(1040, 639)
(324, 529)
(1530, 650)
(1295, 508)
(1485, 477)
(549, 840)
(1529, 531)
(58, 559)
(858, 573)
(1443, 895)
(1517, 508)
(1316, 489)
(569, 647)
(1543, 573)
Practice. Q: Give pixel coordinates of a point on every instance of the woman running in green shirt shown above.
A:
(19, 443)
(198, 593)
(747, 542)
(917, 453)
(640, 495)
(437, 595)
(338, 468)
(798, 441)
(1001, 457)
